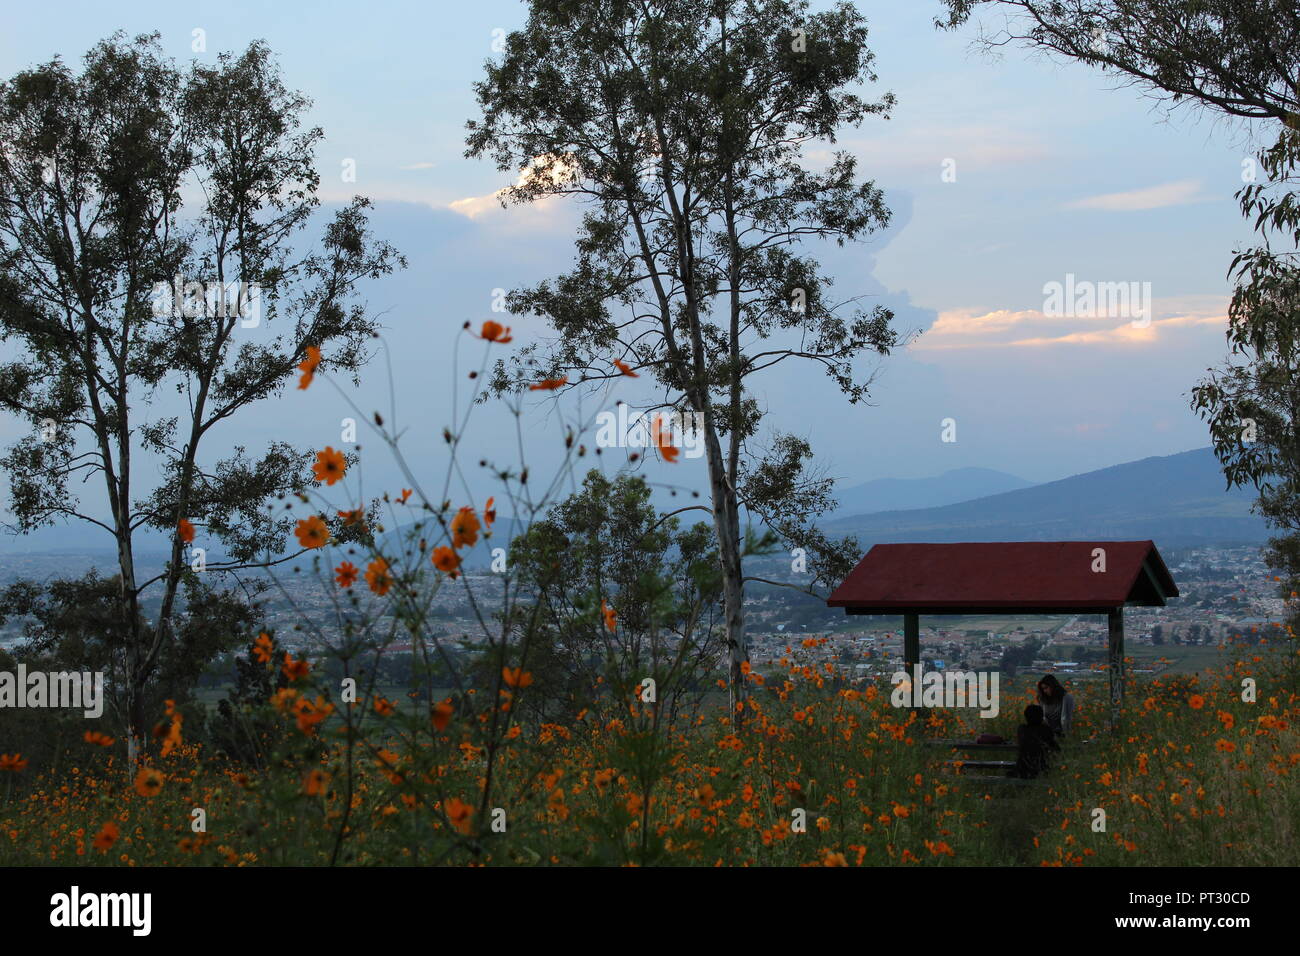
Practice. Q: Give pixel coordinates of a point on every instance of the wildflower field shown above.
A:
(814, 774)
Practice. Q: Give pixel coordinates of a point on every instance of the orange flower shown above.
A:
(549, 384)
(384, 707)
(310, 713)
(185, 530)
(1196, 702)
(98, 739)
(377, 576)
(148, 782)
(626, 369)
(459, 813)
(12, 762)
(489, 512)
(406, 493)
(663, 440)
(354, 517)
(262, 648)
(173, 738)
(295, 669)
(346, 574)
(308, 366)
(446, 560)
(442, 713)
(312, 532)
(611, 618)
(464, 528)
(330, 465)
(495, 332)
(516, 677)
(315, 783)
(106, 837)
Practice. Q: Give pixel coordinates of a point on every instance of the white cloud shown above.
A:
(972, 328)
(558, 169)
(1180, 193)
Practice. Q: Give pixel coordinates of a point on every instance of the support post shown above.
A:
(912, 656)
(911, 640)
(1115, 620)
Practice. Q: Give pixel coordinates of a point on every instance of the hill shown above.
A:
(1175, 500)
(898, 494)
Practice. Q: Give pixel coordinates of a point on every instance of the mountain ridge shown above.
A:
(1175, 499)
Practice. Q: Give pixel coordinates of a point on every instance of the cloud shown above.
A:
(1180, 193)
(1031, 328)
(557, 168)
(419, 166)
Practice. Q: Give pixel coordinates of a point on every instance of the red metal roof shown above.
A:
(1006, 577)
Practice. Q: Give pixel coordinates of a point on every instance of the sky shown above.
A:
(1003, 176)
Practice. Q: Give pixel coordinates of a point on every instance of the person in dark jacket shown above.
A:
(1058, 705)
(1034, 743)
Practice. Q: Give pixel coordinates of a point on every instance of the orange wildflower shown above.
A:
(98, 739)
(346, 574)
(626, 369)
(185, 530)
(173, 738)
(549, 384)
(148, 782)
(106, 837)
(12, 762)
(377, 576)
(441, 716)
(459, 813)
(354, 517)
(312, 532)
(489, 512)
(294, 669)
(516, 677)
(446, 560)
(384, 707)
(262, 648)
(315, 783)
(330, 465)
(663, 440)
(464, 528)
(308, 366)
(310, 713)
(1196, 702)
(495, 332)
(611, 618)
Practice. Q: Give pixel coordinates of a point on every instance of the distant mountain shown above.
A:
(1175, 500)
(899, 494)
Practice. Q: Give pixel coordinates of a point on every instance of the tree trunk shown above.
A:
(727, 528)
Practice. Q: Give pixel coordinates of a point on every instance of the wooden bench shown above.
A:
(971, 745)
(963, 765)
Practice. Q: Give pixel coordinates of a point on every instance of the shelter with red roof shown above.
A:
(1011, 577)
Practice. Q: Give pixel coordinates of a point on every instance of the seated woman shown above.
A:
(1058, 705)
(1034, 741)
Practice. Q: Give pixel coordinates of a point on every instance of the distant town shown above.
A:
(1228, 596)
